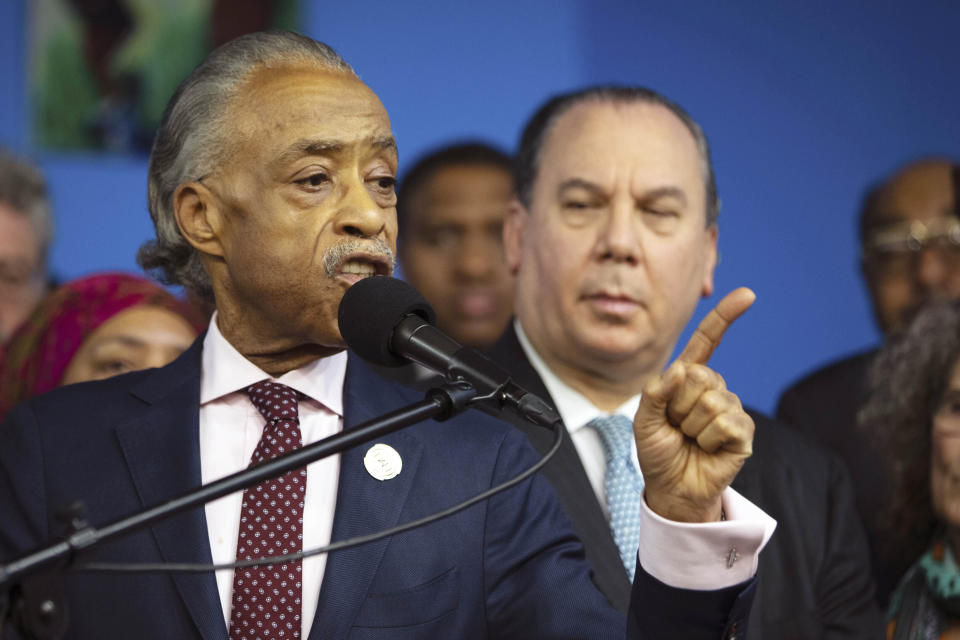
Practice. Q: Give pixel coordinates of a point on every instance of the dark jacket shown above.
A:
(814, 575)
(824, 405)
(508, 567)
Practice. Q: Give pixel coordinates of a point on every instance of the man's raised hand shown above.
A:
(692, 433)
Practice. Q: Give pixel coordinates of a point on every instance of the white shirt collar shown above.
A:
(226, 371)
(572, 405)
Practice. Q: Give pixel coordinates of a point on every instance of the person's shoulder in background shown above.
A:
(827, 391)
(815, 572)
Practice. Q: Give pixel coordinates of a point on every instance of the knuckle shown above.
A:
(692, 425)
(733, 401)
(728, 427)
(716, 400)
(699, 374)
(709, 442)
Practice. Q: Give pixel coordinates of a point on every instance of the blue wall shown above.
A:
(804, 103)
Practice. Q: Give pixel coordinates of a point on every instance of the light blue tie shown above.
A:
(623, 484)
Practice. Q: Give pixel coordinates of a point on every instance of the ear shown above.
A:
(199, 217)
(513, 229)
(710, 261)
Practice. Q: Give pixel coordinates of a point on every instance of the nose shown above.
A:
(929, 269)
(475, 258)
(360, 215)
(619, 239)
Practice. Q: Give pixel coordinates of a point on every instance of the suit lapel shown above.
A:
(364, 505)
(568, 477)
(162, 451)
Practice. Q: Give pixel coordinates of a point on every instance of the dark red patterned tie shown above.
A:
(266, 599)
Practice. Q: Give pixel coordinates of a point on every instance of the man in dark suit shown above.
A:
(909, 229)
(271, 189)
(613, 239)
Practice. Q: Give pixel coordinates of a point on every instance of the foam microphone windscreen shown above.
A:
(370, 311)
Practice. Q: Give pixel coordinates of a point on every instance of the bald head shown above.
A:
(910, 235)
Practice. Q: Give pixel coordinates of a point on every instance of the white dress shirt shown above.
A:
(710, 555)
(230, 428)
(678, 554)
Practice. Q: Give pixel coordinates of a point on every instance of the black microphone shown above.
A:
(387, 322)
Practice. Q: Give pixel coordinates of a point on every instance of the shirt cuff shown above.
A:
(705, 555)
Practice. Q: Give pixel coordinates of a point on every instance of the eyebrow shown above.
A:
(667, 192)
(579, 183)
(652, 194)
(308, 147)
(127, 341)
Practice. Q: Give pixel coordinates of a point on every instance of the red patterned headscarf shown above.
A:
(36, 356)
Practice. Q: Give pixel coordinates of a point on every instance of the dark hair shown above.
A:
(870, 203)
(467, 153)
(906, 385)
(193, 139)
(527, 160)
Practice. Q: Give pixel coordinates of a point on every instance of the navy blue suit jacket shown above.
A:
(507, 568)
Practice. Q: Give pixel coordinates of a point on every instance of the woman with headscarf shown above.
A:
(92, 328)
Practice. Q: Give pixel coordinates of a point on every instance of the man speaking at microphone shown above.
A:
(271, 187)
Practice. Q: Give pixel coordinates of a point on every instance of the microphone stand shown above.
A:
(31, 586)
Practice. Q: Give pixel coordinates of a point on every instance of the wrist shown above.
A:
(684, 510)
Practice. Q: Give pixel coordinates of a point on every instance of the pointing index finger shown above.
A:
(711, 329)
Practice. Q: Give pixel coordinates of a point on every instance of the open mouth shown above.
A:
(358, 267)
(352, 260)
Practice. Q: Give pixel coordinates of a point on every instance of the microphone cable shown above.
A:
(188, 567)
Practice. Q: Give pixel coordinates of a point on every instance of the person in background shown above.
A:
(450, 211)
(613, 237)
(26, 232)
(91, 328)
(913, 412)
(909, 230)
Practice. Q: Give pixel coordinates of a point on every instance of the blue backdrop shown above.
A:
(804, 102)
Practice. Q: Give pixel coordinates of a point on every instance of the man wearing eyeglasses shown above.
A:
(909, 255)
(910, 234)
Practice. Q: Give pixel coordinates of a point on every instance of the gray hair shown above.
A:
(527, 158)
(23, 189)
(192, 139)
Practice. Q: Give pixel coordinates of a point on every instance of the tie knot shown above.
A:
(616, 434)
(274, 401)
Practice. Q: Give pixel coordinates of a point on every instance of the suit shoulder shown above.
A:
(87, 407)
(469, 428)
(776, 444)
(849, 370)
(90, 396)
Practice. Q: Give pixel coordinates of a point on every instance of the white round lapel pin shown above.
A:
(382, 462)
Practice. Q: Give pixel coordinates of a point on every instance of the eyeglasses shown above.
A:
(893, 248)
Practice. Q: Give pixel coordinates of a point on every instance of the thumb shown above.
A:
(652, 413)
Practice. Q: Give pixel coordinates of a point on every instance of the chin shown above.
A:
(615, 348)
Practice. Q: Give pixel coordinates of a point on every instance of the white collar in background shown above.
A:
(572, 405)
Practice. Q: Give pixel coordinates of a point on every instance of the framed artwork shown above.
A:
(101, 71)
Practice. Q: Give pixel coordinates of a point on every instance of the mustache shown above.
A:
(335, 256)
